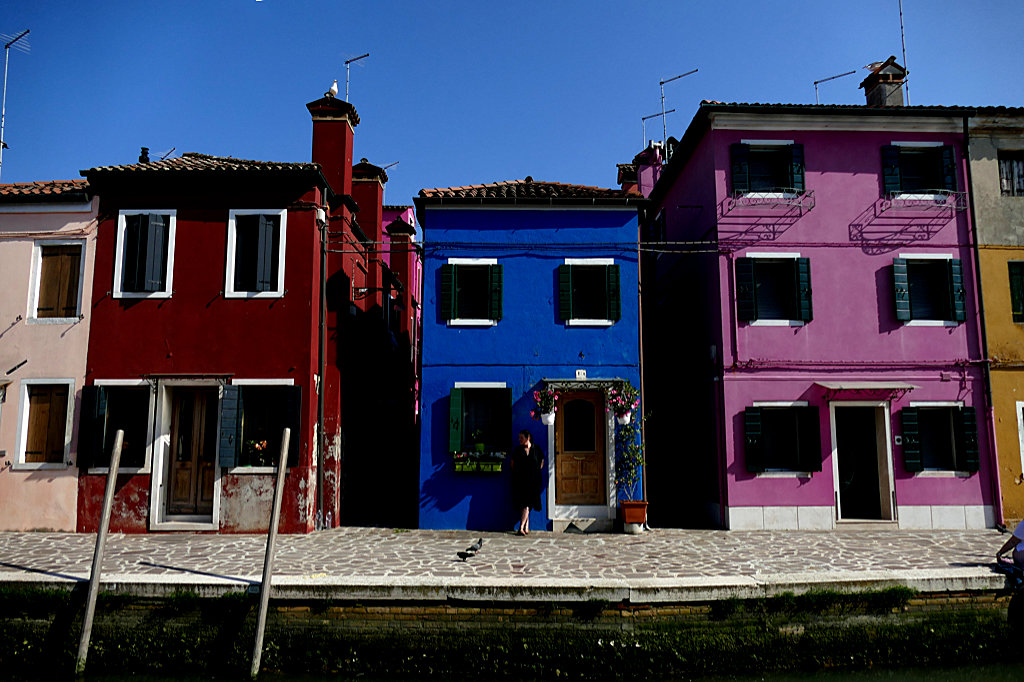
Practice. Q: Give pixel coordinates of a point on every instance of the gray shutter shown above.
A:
(446, 303)
(613, 293)
(455, 420)
(230, 426)
(293, 416)
(496, 276)
(796, 167)
(156, 252)
(746, 299)
(891, 182)
(910, 421)
(739, 155)
(967, 456)
(753, 444)
(901, 289)
(805, 309)
(565, 292)
(266, 254)
(948, 168)
(809, 452)
(957, 291)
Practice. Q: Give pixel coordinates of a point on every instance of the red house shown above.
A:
(222, 292)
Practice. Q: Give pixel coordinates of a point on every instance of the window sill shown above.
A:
(141, 294)
(39, 466)
(472, 323)
(776, 323)
(943, 473)
(253, 294)
(785, 474)
(252, 470)
(133, 471)
(931, 323)
(768, 195)
(589, 323)
(54, 320)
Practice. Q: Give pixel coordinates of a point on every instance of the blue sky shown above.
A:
(460, 92)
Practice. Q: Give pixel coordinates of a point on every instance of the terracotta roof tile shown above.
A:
(194, 162)
(910, 110)
(523, 189)
(66, 190)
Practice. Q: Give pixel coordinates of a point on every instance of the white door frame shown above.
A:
(159, 519)
(590, 511)
(887, 423)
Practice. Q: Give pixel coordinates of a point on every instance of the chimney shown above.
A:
(334, 123)
(368, 190)
(884, 85)
(640, 176)
(144, 155)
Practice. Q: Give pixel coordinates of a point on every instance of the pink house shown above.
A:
(829, 369)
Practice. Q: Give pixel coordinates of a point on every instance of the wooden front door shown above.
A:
(580, 449)
(193, 451)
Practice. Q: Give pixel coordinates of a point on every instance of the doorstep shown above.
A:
(583, 524)
(866, 524)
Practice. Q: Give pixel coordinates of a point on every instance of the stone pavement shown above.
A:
(387, 564)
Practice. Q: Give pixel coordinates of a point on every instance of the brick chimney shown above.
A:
(640, 176)
(368, 183)
(884, 85)
(334, 123)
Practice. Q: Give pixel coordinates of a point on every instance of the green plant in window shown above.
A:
(477, 438)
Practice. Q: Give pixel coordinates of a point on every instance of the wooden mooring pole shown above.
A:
(97, 556)
(275, 516)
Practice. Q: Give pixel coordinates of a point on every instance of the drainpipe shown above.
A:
(321, 440)
(640, 340)
(997, 497)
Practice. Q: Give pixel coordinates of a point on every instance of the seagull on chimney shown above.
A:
(333, 91)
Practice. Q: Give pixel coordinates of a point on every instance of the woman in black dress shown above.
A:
(527, 460)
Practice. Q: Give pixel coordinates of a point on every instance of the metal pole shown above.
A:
(3, 107)
(97, 556)
(664, 125)
(268, 562)
(903, 42)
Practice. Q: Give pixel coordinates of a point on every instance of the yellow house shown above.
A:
(997, 186)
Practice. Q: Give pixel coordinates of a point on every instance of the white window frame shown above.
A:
(229, 270)
(36, 274)
(258, 382)
(472, 322)
(929, 323)
(119, 255)
(767, 255)
(147, 462)
(939, 473)
(22, 436)
(584, 322)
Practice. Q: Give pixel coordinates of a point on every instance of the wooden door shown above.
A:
(580, 449)
(193, 451)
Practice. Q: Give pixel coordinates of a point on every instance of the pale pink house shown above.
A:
(47, 240)
(812, 338)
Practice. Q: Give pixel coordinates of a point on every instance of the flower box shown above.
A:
(475, 462)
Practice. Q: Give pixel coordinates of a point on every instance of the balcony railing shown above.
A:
(926, 200)
(781, 197)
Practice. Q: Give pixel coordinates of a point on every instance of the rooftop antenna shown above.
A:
(348, 69)
(167, 153)
(825, 80)
(664, 126)
(393, 163)
(643, 122)
(903, 41)
(24, 47)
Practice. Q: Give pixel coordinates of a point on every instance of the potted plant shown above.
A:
(623, 398)
(629, 462)
(478, 440)
(545, 405)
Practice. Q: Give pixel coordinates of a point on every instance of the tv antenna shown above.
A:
(643, 122)
(903, 42)
(348, 69)
(24, 47)
(825, 80)
(167, 153)
(393, 163)
(664, 126)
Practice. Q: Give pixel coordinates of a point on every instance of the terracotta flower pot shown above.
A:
(633, 511)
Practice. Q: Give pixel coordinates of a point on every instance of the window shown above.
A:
(107, 409)
(588, 291)
(910, 169)
(256, 247)
(1011, 173)
(252, 419)
(58, 292)
(782, 438)
(940, 438)
(1017, 290)
(46, 421)
(768, 166)
(144, 262)
(929, 289)
(479, 418)
(773, 287)
(471, 291)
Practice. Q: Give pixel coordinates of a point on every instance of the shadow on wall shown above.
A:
(883, 227)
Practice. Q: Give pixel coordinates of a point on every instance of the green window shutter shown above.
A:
(613, 292)
(810, 438)
(447, 299)
(796, 167)
(496, 277)
(901, 289)
(959, 294)
(230, 425)
(746, 298)
(156, 252)
(1017, 290)
(805, 308)
(293, 413)
(752, 440)
(912, 460)
(967, 458)
(891, 182)
(948, 168)
(739, 155)
(90, 427)
(565, 292)
(455, 420)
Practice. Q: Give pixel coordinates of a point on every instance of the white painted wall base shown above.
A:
(780, 518)
(946, 517)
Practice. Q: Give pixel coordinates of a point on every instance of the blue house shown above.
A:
(527, 286)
